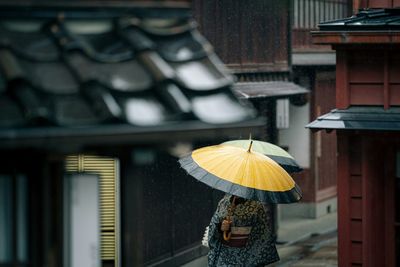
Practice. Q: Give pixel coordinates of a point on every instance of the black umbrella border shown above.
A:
(290, 165)
(192, 168)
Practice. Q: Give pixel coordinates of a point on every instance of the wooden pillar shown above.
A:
(389, 200)
(132, 214)
(373, 203)
(343, 200)
(342, 82)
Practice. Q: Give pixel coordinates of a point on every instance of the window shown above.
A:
(308, 13)
(81, 220)
(107, 170)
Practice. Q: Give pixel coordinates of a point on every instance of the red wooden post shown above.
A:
(386, 80)
(370, 207)
(343, 200)
(342, 83)
(389, 200)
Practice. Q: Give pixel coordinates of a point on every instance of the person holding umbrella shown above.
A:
(240, 232)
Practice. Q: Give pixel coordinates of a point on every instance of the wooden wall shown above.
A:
(164, 210)
(308, 14)
(319, 182)
(366, 200)
(368, 77)
(324, 143)
(249, 36)
(357, 4)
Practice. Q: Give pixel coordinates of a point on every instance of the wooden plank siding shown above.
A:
(164, 215)
(350, 197)
(324, 144)
(325, 102)
(249, 36)
(343, 171)
(307, 14)
(366, 190)
(368, 77)
(375, 4)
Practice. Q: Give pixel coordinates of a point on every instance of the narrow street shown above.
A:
(317, 251)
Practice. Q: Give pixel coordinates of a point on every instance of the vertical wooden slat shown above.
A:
(343, 200)
(373, 203)
(386, 92)
(342, 84)
(301, 13)
(389, 200)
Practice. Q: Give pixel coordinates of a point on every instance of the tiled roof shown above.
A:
(81, 67)
(268, 89)
(359, 118)
(366, 20)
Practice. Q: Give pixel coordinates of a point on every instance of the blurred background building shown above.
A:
(98, 100)
(291, 81)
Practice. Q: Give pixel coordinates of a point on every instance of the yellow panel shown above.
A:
(106, 169)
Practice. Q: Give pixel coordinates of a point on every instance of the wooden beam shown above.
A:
(356, 37)
(342, 83)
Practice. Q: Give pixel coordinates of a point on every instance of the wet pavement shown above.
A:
(316, 251)
(301, 243)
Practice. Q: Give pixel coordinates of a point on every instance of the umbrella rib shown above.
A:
(245, 167)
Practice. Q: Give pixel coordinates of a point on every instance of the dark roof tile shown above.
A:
(28, 39)
(144, 110)
(165, 26)
(58, 79)
(85, 70)
(218, 108)
(128, 76)
(137, 39)
(175, 98)
(73, 110)
(202, 75)
(368, 19)
(359, 118)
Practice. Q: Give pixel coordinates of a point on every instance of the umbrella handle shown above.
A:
(227, 235)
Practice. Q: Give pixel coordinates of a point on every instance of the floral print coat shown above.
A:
(260, 248)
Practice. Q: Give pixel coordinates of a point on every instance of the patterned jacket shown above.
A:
(260, 248)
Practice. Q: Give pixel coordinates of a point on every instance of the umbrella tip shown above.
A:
(251, 144)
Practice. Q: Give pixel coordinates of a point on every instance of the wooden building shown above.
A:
(314, 68)
(367, 124)
(97, 103)
(267, 45)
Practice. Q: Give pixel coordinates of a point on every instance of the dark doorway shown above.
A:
(397, 207)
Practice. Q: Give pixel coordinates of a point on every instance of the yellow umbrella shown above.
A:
(242, 172)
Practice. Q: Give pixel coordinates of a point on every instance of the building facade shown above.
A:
(97, 103)
(366, 123)
(268, 47)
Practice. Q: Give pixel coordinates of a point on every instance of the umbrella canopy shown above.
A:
(242, 172)
(276, 153)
